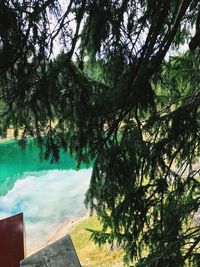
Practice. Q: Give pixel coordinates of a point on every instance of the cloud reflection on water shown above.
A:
(46, 200)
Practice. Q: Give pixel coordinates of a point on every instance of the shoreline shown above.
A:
(62, 229)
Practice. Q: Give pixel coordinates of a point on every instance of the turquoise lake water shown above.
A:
(46, 193)
(16, 162)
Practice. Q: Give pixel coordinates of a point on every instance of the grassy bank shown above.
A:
(89, 253)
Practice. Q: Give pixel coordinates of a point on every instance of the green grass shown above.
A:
(89, 253)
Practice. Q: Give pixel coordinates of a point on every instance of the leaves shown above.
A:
(114, 97)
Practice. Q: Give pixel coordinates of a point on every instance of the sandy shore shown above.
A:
(60, 230)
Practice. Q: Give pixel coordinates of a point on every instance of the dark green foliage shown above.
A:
(119, 94)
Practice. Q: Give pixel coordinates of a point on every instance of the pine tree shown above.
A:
(121, 95)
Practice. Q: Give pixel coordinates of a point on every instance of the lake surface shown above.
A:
(46, 193)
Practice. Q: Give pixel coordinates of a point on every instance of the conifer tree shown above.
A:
(120, 93)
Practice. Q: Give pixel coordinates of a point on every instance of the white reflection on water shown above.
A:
(46, 201)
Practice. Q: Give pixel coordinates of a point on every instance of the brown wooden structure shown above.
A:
(12, 241)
